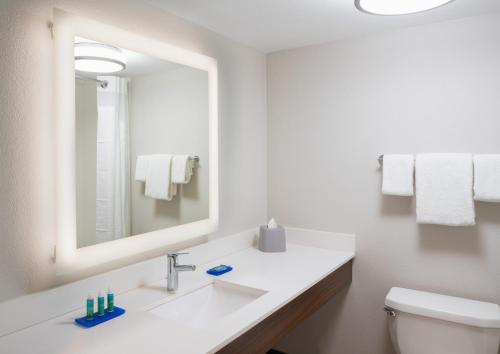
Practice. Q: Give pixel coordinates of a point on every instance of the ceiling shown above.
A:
(272, 25)
(140, 64)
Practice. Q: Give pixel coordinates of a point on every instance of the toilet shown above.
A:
(427, 323)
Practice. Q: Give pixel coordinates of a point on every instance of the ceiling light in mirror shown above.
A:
(398, 7)
(96, 57)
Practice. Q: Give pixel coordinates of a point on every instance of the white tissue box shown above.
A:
(272, 240)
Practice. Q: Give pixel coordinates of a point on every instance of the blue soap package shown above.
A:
(219, 270)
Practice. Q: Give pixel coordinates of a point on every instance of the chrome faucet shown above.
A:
(173, 269)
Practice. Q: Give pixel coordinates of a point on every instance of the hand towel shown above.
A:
(487, 178)
(182, 169)
(444, 189)
(397, 176)
(141, 167)
(159, 178)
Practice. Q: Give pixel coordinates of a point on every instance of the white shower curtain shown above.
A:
(113, 161)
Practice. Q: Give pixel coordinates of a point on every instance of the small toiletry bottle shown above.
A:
(90, 307)
(111, 301)
(100, 304)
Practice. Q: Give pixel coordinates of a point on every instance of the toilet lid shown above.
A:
(442, 307)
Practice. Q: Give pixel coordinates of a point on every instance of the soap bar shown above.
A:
(220, 269)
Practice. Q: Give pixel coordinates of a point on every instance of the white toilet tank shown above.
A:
(427, 323)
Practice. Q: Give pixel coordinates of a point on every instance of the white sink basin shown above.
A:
(201, 307)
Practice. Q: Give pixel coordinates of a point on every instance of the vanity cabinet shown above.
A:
(270, 331)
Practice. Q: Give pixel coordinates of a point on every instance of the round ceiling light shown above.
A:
(398, 7)
(99, 58)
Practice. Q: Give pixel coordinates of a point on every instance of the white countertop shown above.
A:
(283, 275)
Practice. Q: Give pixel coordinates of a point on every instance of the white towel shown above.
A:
(398, 175)
(182, 169)
(444, 189)
(159, 178)
(487, 178)
(141, 167)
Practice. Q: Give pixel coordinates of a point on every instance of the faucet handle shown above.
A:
(174, 255)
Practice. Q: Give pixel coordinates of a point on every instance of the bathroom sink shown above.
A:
(202, 306)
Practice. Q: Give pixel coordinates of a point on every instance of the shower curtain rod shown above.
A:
(102, 83)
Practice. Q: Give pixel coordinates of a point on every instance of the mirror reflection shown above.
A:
(141, 143)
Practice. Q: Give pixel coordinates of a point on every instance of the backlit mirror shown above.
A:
(141, 143)
(137, 145)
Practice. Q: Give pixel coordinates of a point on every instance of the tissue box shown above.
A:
(272, 240)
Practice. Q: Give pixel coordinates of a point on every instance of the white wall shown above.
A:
(332, 110)
(169, 115)
(27, 186)
(86, 161)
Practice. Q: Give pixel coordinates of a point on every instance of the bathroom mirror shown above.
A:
(137, 144)
(145, 109)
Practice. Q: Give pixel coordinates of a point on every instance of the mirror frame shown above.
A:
(67, 256)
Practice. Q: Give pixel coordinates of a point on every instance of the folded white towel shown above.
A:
(398, 175)
(141, 167)
(487, 178)
(182, 169)
(444, 189)
(159, 178)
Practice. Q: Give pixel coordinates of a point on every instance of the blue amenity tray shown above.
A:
(84, 322)
(219, 270)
